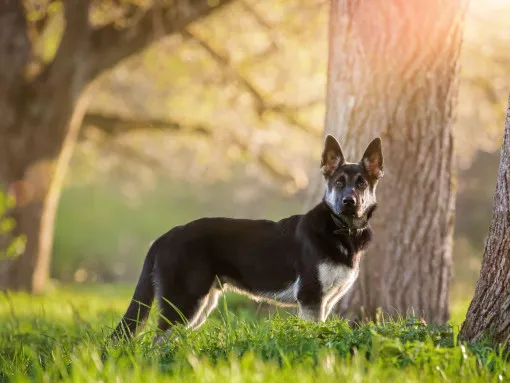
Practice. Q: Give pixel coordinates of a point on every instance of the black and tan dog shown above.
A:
(308, 260)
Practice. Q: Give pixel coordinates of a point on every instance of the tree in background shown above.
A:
(42, 110)
(489, 312)
(392, 73)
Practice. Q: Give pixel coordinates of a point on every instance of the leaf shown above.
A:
(15, 249)
(7, 225)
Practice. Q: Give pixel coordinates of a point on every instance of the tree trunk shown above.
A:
(489, 311)
(35, 182)
(40, 119)
(393, 73)
(34, 136)
(37, 196)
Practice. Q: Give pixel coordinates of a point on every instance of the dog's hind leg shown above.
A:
(199, 312)
(183, 300)
(209, 305)
(175, 309)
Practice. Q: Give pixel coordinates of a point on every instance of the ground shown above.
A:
(61, 337)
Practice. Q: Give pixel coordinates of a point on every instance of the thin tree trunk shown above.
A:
(392, 73)
(489, 311)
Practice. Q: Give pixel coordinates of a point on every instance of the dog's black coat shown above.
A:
(276, 261)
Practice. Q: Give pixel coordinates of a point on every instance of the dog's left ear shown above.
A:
(332, 156)
(372, 160)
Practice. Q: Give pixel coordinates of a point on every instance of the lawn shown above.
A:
(61, 337)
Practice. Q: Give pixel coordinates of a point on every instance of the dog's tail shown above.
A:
(140, 305)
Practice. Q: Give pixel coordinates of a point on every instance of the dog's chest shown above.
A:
(336, 277)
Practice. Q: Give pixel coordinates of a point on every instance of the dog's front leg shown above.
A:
(310, 302)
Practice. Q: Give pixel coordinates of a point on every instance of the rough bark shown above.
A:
(392, 73)
(37, 137)
(489, 311)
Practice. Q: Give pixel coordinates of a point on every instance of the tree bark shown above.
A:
(489, 311)
(36, 135)
(392, 73)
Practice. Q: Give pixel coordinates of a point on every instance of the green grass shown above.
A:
(61, 336)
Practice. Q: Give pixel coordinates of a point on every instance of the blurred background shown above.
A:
(226, 120)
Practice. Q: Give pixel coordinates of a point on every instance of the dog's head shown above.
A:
(350, 187)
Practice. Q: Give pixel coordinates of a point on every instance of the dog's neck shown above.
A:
(352, 226)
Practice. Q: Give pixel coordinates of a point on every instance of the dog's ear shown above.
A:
(332, 156)
(372, 160)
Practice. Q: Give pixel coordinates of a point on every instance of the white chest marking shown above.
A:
(336, 279)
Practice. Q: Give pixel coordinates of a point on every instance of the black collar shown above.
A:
(353, 226)
(344, 227)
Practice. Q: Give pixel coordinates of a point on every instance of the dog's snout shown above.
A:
(349, 201)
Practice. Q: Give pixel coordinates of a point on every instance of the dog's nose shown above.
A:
(349, 201)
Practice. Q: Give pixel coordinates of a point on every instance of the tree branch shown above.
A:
(264, 23)
(75, 32)
(113, 126)
(116, 125)
(261, 105)
(111, 44)
(63, 67)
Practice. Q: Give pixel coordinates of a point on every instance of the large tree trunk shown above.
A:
(37, 193)
(392, 73)
(39, 117)
(489, 312)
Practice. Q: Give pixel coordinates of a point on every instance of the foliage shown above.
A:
(14, 246)
(61, 337)
(256, 78)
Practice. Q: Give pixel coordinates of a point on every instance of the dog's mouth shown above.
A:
(347, 212)
(350, 212)
(357, 213)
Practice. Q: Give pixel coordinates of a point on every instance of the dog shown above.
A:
(309, 261)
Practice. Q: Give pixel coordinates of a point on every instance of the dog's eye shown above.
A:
(340, 182)
(361, 183)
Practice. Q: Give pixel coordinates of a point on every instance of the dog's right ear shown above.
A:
(332, 156)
